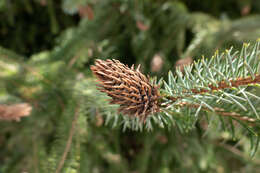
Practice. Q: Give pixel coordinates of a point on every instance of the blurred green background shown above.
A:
(46, 49)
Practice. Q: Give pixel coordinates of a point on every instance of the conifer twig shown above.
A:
(237, 152)
(69, 141)
(221, 85)
(221, 111)
(204, 85)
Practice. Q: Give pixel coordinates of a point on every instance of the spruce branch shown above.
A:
(69, 141)
(217, 85)
(221, 79)
(220, 111)
(224, 85)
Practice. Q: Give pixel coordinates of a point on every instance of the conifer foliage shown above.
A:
(214, 85)
(71, 102)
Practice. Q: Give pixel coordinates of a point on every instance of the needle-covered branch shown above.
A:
(219, 85)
